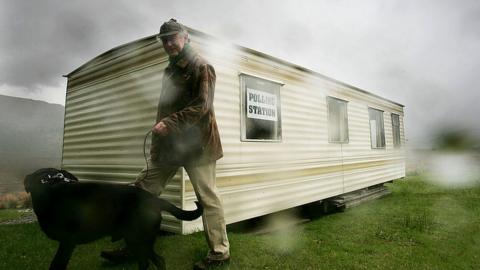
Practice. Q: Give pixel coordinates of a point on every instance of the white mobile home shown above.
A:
(290, 136)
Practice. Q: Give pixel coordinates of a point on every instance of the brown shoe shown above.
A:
(207, 263)
(118, 255)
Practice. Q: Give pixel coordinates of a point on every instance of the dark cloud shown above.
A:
(43, 40)
(38, 40)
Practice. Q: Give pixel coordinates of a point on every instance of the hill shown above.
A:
(31, 134)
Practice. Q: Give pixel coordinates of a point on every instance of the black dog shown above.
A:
(74, 213)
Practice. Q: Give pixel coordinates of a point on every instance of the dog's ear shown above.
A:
(27, 183)
(69, 175)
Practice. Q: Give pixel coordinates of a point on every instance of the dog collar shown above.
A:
(59, 177)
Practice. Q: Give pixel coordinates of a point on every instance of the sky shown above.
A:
(422, 54)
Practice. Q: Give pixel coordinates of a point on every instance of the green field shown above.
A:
(417, 226)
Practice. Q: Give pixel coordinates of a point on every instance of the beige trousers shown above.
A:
(203, 182)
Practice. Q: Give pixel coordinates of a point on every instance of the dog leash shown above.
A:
(145, 152)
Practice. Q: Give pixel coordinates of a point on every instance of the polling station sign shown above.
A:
(261, 105)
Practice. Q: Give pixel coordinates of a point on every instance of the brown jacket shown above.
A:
(186, 108)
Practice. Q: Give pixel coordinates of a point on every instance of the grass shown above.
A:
(10, 214)
(418, 226)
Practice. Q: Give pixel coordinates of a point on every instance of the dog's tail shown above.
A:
(180, 213)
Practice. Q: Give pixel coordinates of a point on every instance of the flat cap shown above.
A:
(170, 28)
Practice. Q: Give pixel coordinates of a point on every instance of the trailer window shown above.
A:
(396, 130)
(377, 131)
(337, 120)
(260, 107)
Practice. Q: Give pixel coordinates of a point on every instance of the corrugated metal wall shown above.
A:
(257, 178)
(111, 103)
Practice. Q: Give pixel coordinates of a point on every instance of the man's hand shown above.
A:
(160, 128)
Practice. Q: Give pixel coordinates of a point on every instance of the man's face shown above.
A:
(174, 44)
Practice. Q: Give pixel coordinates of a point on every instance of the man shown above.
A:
(186, 135)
